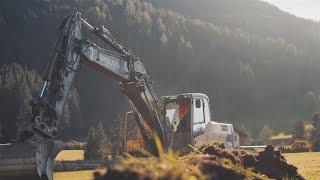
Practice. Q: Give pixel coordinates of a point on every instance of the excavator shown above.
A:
(179, 120)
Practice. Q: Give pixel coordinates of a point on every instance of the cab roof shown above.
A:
(186, 95)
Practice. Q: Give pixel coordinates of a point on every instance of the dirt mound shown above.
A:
(214, 167)
(268, 162)
(121, 173)
(211, 161)
(272, 164)
(198, 166)
(219, 150)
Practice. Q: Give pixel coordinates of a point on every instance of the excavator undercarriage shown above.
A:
(18, 160)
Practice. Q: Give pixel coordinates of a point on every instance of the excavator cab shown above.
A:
(192, 112)
(177, 116)
(185, 118)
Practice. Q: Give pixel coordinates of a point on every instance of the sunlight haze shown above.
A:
(308, 9)
(159, 89)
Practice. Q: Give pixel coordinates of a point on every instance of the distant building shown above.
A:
(236, 138)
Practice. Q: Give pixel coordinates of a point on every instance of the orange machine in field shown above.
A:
(138, 143)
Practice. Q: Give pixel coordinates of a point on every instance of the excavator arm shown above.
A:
(71, 50)
(135, 83)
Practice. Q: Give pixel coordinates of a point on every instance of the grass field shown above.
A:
(308, 163)
(74, 175)
(281, 136)
(70, 155)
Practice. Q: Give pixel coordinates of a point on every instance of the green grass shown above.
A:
(308, 163)
(70, 155)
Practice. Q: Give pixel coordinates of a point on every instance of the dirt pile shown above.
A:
(269, 162)
(164, 167)
(211, 161)
(220, 151)
(214, 167)
(121, 173)
(272, 164)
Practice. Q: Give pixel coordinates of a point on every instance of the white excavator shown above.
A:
(179, 120)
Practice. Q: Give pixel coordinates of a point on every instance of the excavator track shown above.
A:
(18, 161)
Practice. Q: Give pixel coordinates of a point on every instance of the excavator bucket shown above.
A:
(28, 161)
(18, 161)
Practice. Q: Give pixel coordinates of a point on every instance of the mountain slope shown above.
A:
(252, 77)
(253, 16)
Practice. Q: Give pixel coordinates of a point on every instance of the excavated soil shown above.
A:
(211, 161)
(272, 164)
(121, 173)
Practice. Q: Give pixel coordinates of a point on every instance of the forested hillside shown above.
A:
(17, 87)
(252, 72)
(253, 16)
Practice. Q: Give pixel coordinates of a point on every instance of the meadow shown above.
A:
(308, 163)
(74, 175)
(70, 155)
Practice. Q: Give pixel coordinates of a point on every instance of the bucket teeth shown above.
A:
(46, 153)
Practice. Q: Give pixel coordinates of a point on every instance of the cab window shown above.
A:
(198, 111)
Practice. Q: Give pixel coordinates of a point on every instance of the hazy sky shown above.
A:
(302, 8)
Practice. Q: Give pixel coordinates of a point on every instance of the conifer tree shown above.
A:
(98, 146)
(315, 132)
(92, 145)
(266, 134)
(299, 131)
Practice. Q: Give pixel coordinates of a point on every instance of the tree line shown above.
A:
(18, 85)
